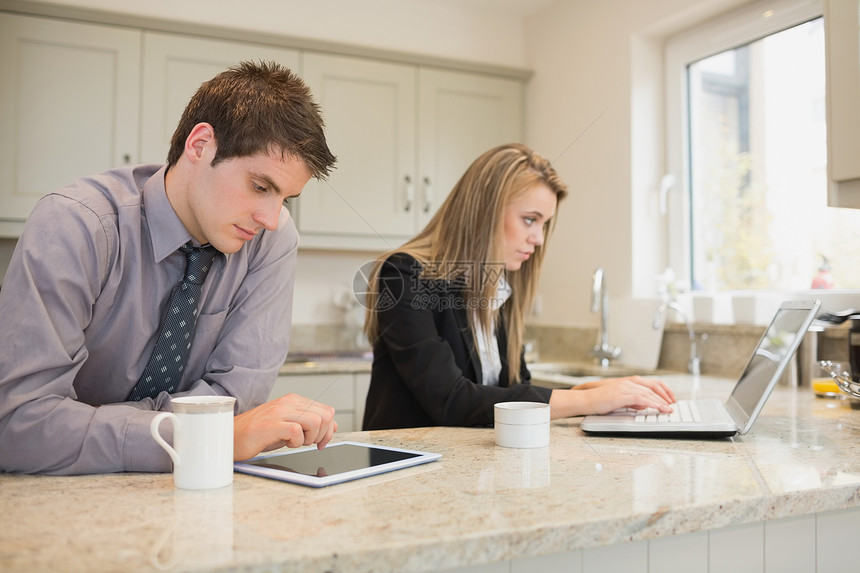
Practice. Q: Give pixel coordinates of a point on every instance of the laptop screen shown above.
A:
(771, 356)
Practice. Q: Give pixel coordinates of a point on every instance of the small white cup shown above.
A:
(202, 449)
(522, 424)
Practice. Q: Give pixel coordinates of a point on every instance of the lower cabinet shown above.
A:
(344, 391)
(820, 542)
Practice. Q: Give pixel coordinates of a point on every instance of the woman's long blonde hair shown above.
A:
(469, 228)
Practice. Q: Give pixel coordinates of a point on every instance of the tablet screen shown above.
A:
(338, 462)
(333, 460)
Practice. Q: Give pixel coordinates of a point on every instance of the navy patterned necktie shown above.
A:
(164, 369)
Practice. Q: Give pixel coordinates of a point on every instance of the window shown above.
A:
(750, 154)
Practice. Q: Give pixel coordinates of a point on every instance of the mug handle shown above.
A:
(153, 429)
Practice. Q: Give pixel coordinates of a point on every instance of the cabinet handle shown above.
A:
(428, 195)
(410, 192)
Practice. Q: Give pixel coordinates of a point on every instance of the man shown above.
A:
(97, 264)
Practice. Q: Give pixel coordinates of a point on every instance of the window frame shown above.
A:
(739, 27)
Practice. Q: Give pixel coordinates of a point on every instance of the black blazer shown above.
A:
(426, 370)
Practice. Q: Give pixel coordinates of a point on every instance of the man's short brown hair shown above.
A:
(257, 108)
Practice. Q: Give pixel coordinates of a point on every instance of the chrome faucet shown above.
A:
(600, 302)
(694, 366)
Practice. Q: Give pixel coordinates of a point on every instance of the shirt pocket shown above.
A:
(206, 335)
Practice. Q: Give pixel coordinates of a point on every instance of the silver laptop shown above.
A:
(712, 418)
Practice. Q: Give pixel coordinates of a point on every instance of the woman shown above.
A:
(446, 311)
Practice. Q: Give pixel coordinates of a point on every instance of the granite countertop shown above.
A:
(479, 504)
(327, 362)
(565, 372)
(325, 367)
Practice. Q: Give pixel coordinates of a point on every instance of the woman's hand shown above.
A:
(604, 396)
(290, 420)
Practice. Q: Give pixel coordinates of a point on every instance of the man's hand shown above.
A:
(290, 420)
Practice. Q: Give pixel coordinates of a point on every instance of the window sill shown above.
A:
(758, 307)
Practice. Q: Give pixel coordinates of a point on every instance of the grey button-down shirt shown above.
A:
(80, 309)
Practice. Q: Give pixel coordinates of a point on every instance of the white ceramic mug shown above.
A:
(202, 449)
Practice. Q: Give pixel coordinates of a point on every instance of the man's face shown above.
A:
(230, 203)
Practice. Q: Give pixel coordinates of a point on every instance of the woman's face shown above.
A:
(525, 220)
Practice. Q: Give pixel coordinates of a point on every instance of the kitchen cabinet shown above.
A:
(174, 66)
(344, 391)
(360, 386)
(79, 98)
(69, 100)
(403, 135)
(460, 116)
(842, 36)
(369, 111)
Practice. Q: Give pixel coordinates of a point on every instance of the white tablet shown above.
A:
(336, 463)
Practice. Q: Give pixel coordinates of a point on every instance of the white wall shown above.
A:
(322, 276)
(441, 29)
(580, 115)
(446, 30)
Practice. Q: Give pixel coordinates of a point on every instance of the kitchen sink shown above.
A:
(564, 374)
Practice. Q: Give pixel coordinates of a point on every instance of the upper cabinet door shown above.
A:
(842, 34)
(173, 69)
(461, 116)
(369, 111)
(69, 97)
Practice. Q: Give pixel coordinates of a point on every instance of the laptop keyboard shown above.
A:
(684, 411)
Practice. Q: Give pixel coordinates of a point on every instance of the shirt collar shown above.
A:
(166, 231)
